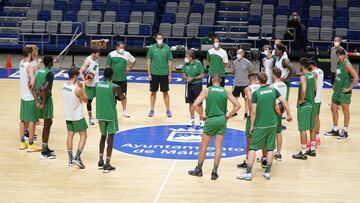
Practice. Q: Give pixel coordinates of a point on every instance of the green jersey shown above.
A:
(216, 102)
(42, 76)
(216, 59)
(343, 78)
(119, 62)
(105, 101)
(310, 88)
(193, 70)
(159, 56)
(265, 99)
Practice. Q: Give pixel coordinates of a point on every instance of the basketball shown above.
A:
(89, 76)
(279, 108)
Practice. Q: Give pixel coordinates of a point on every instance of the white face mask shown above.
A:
(337, 44)
(238, 56)
(266, 52)
(216, 45)
(120, 51)
(159, 41)
(274, 46)
(186, 60)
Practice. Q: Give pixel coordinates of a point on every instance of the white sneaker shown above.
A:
(126, 114)
(201, 124)
(191, 123)
(245, 176)
(267, 176)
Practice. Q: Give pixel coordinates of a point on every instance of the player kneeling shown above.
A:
(73, 96)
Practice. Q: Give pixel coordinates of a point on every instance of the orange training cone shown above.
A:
(8, 62)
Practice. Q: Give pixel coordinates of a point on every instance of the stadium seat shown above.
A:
(171, 7)
(56, 15)
(26, 26)
(106, 28)
(315, 11)
(168, 18)
(109, 16)
(133, 28)
(70, 16)
(44, 15)
(149, 17)
(83, 16)
(327, 21)
(195, 18)
(48, 5)
(136, 17)
(184, 7)
(181, 17)
(210, 8)
(253, 32)
(326, 34)
(197, 8)
(119, 28)
(52, 27)
(91, 28)
(313, 33)
(208, 18)
(86, 5)
(95, 16)
(256, 9)
(178, 30)
(66, 27)
(192, 30)
(165, 29)
(32, 15)
(268, 9)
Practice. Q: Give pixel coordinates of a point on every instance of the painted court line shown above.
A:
(164, 183)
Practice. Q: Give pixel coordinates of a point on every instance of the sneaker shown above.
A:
(245, 116)
(201, 124)
(266, 176)
(168, 114)
(278, 157)
(47, 155)
(260, 159)
(91, 121)
(79, 162)
(311, 153)
(242, 165)
(70, 162)
(151, 113)
(245, 176)
(33, 148)
(343, 135)
(283, 127)
(332, 132)
(100, 165)
(23, 146)
(191, 123)
(26, 135)
(108, 168)
(126, 114)
(196, 172)
(214, 176)
(50, 150)
(300, 155)
(264, 163)
(318, 142)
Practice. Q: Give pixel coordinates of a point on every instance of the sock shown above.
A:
(248, 169)
(313, 144)
(70, 153)
(107, 160)
(90, 114)
(346, 129)
(44, 147)
(78, 153)
(317, 135)
(278, 151)
(31, 141)
(335, 128)
(199, 165)
(101, 157)
(303, 148)
(268, 168)
(22, 139)
(216, 166)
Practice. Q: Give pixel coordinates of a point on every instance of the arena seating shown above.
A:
(254, 22)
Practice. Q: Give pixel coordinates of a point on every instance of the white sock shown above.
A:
(303, 148)
(318, 135)
(313, 144)
(346, 129)
(278, 151)
(335, 127)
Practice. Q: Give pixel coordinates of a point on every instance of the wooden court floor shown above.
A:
(333, 176)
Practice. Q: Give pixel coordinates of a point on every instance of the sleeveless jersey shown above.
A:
(281, 88)
(216, 101)
(278, 64)
(310, 88)
(105, 101)
(254, 87)
(40, 79)
(93, 68)
(73, 109)
(265, 98)
(319, 84)
(343, 78)
(25, 92)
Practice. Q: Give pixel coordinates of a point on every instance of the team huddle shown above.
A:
(265, 94)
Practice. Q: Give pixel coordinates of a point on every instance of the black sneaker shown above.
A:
(79, 162)
(108, 168)
(311, 153)
(214, 176)
(264, 163)
(100, 165)
(300, 155)
(47, 155)
(245, 116)
(70, 162)
(343, 135)
(332, 132)
(26, 135)
(196, 172)
(242, 165)
(278, 157)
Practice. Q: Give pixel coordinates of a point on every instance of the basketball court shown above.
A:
(152, 157)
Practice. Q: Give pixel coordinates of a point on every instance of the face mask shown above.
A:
(120, 51)
(216, 45)
(159, 41)
(295, 17)
(337, 44)
(274, 46)
(186, 60)
(238, 56)
(266, 52)
(210, 39)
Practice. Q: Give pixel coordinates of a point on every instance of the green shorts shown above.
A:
(341, 98)
(317, 108)
(215, 125)
(90, 92)
(77, 126)
(279, 125)
(28, 111)
(48, 111)
(287, 82)
(305, 117)
(247, 127)
(263, 137)
(108, 127)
